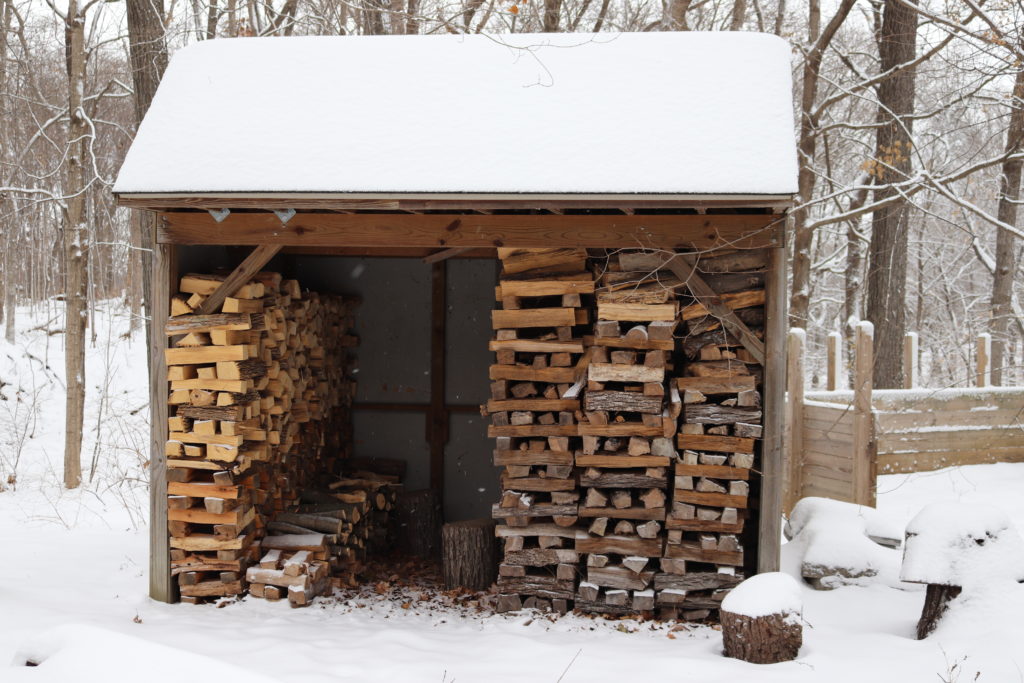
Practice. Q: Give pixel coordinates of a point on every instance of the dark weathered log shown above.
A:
(761, 640)
(470, 554)
(629, 401)
(623, 480)
(694, 582)
(936, 600)
(419, 523)
(709, 413)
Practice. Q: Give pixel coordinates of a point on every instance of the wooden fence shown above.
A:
(839, 440)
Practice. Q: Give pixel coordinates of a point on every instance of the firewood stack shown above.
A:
(253, 386)
(627, 447)
(293, 567)
(721, 421)
(534, 404)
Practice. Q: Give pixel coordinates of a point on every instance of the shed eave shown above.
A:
(439, 200)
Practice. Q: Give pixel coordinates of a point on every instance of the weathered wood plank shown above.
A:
(442, 231)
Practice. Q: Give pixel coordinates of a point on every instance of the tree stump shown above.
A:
(418, 515)
(761, 640)
(936, 600)
(469, 552)
(761, 620)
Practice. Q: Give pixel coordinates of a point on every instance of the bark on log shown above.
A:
(419, 523)
(470, 554)
(761, 640)
(936, 600)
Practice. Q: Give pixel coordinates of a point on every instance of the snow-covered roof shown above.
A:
(682, 113)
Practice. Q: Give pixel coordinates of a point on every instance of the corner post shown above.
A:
(772, 448)
(834, 346)
(863, 420)
(164, 272)
(983, 370)
(794, 417)
(910, 364)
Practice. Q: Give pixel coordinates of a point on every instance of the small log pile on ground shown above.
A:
(351, 514)
(627, 447)
(534, 406)
(260, 393)
(293, 566)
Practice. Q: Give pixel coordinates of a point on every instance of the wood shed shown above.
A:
(543, 273)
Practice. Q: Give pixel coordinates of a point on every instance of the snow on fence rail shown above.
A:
(838, 441)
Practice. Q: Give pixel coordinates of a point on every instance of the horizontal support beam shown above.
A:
(745, 231)
(388, 252)
(452, 202)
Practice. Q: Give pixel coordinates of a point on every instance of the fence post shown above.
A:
(910, 367)
(794, 417)
(863, 423)
(983, 369)
(834, 346)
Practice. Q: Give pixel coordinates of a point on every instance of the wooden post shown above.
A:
(983, 369)
(910, 366)
(161, 587)
(834, 346)
(794, 417)
(863, 422)
(772, 450)
(437, 419)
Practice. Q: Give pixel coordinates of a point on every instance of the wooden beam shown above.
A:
(685, 268)
(863, 474)
(161, 586)
(794, 418)
(387, 252)
(251, 265)
(437, 418)
(271, 201)
(442, 231)
(772, 449)
(445, 254)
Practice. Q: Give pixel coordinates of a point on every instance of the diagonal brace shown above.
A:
(685, 268)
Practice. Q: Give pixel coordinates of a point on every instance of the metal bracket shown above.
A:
(284, 215)
(219, 214)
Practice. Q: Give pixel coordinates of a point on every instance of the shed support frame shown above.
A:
(386, 232)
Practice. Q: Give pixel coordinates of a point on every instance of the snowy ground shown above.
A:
(76, 562)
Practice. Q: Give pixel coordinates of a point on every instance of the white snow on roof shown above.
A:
(685, 112)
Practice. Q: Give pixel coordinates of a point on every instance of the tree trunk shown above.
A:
(739, 15)
(761, 640)
(470, 554)
(552, 12)
(419, 523)
(1006, 256)
(936, 600)
(75, 247)
(806, 151)
(148, 53)
(887, 269)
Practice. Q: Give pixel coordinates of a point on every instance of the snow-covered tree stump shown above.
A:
(761, 619)
(954, 548)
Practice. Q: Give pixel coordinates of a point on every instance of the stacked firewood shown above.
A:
(294, 566)
(256, 387)
(627, 447)
(534, 404)
(721, 421)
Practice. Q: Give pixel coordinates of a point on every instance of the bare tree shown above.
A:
(1006, 256)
